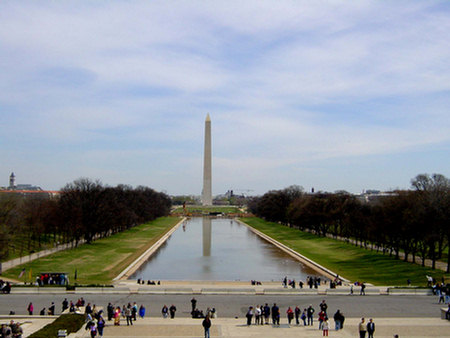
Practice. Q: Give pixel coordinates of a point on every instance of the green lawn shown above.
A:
(71, 322)
(349, 261)
(101, 261)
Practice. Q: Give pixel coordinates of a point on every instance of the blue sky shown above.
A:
(335, 95)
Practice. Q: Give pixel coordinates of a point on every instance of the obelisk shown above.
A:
(207, 179)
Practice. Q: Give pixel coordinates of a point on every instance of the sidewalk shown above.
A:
(231, 327)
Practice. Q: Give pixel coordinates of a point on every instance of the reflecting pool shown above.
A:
(219, 249)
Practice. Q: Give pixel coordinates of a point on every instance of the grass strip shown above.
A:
(102, 260)
(71, 322)
(349, 261)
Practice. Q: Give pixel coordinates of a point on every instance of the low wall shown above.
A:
(133, 267)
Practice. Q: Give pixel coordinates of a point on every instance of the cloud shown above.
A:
(290, 86)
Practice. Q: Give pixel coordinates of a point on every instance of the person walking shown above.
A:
(206, 325)
(362, 329)
(172, 311)
(370, 328)
(363, 288)
(165, 311)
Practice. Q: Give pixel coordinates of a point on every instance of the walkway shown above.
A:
(232, 327)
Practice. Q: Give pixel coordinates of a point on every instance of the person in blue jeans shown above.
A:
(206, 325)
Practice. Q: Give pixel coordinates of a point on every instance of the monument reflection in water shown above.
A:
(219, 249)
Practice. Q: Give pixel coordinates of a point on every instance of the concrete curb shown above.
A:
(139, 261)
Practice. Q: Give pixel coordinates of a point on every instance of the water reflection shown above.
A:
(206, 222)
(233, 253)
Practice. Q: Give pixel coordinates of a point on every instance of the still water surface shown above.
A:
(219, 249)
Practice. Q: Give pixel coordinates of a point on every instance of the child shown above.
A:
(325, 327)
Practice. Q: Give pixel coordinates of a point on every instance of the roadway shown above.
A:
(230, 306)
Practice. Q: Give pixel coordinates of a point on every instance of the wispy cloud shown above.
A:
(120, 91)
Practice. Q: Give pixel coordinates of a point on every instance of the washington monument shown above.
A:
(207, 179)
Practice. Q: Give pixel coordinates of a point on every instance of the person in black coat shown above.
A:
(370, 328)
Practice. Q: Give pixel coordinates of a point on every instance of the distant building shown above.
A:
(27, 189)
(374, 196)
(12, 181)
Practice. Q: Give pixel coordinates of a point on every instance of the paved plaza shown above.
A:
(230, 327)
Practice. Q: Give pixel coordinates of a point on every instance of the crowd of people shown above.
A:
(11, 330)
(442, 290)
(264, 314)
(311, 282)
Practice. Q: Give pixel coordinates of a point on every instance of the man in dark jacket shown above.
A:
(370, 328)
(206, 325)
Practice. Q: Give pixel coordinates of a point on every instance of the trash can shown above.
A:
(62, 333)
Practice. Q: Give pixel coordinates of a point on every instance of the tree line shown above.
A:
(415, 222)
(84, 210)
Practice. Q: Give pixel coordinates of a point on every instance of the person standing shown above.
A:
(117, 316)
(275, 314)
(100, 326)
(249, 315)
(193, 304)
(142, 311)
(297, 315)
(310, 313)
(303, 317)
(51, 309)
(290, 314)
(266, 313)
(129, 315)
(362, 329)
(30, 309)
(323, 306)
(65, 305)
(110, 311)
(337, 320)
(134, 311)
(258, 313)
(325, 328)
(172, 311)
(322, 316)
(206, 325)
(370, 328)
